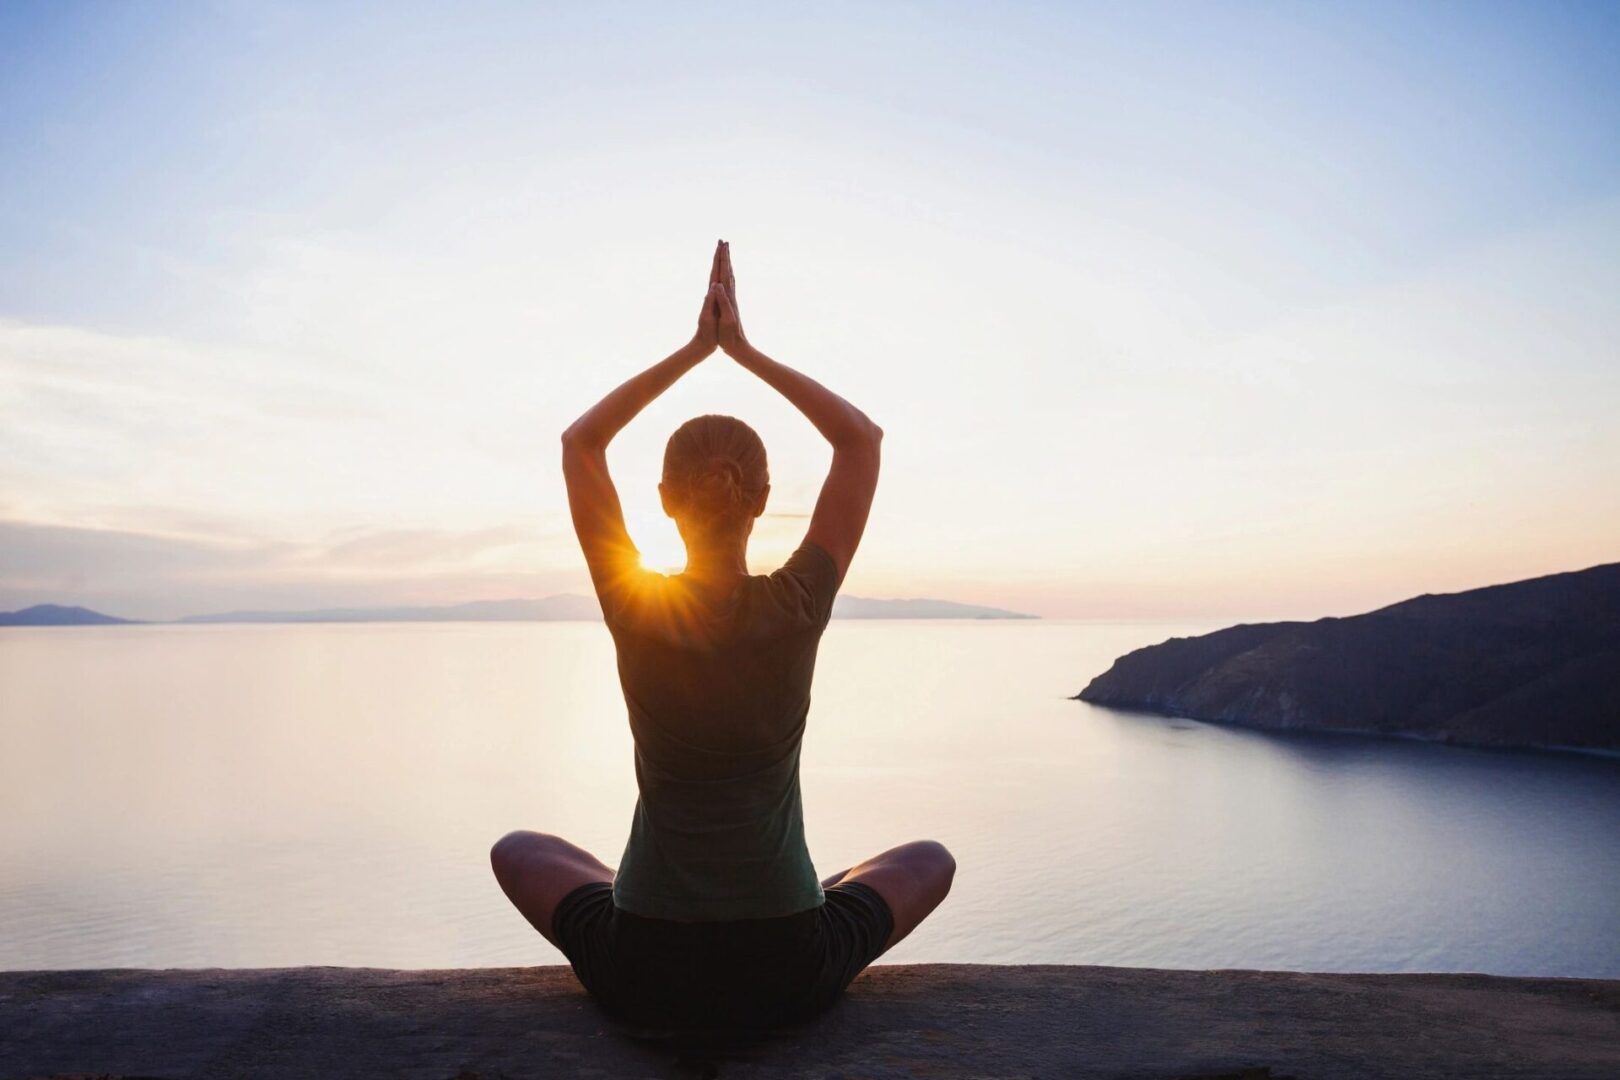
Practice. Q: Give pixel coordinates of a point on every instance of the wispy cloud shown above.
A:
(151, 575)
(1280, 319)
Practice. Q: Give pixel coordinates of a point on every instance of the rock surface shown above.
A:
(1535, 663)
(944, 1020)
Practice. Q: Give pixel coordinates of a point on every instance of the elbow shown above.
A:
(856, 430)
(863, 440)
(573, 438)
(857, 433)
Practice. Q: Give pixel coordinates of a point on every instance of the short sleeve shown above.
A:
(626, 593)
(808, 582)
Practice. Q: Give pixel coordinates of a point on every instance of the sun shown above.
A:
(661, 548)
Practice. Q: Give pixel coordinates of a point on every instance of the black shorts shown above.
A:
(719, 976)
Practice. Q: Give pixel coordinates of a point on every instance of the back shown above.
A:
(718, 690)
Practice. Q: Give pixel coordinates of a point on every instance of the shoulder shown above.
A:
(630, 595)
(673, 609)
(809, 560)
(808, 582)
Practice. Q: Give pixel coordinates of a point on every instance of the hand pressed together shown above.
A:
(719, 325)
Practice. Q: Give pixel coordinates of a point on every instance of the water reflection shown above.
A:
(326, 794)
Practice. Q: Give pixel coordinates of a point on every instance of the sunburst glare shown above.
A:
(659, 542)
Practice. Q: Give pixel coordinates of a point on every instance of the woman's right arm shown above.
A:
(846, 495)
(593, 501)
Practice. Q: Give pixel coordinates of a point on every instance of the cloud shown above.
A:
(299, 439)
(105, 419)
(425, 546)
(155, 576)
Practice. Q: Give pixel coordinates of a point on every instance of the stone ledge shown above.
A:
(945, 1020)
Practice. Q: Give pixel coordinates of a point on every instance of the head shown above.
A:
(715, 481)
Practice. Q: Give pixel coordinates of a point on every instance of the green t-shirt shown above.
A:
(718, 689)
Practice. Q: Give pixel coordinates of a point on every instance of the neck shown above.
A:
(722, 561)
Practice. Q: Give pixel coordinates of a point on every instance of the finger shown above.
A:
(728, 310)
(716, 268)
(726, 275)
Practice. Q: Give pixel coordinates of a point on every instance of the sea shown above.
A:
(265, 796)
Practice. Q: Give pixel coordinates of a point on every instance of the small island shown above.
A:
(58, 615)
(1534, 663)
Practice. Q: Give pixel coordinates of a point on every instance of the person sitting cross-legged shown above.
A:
(715, 918)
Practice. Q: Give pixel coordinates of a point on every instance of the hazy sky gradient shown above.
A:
(1194, 309)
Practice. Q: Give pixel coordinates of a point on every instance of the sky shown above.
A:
(1166, 310)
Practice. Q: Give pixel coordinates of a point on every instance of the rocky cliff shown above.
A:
(1534, 663)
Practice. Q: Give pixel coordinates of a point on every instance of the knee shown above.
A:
(514, 849)
(940, 863)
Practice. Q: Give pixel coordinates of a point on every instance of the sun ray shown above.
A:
(660, 544)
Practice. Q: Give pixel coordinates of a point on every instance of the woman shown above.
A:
(715, 918)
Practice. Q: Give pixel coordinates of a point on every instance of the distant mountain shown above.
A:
(1534, 663)
(564, 607)
(860, 607)
(569, 607)
(57, 615)
(559, 608)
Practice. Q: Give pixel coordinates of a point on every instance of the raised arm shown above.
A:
(593, 501)
(846, 495)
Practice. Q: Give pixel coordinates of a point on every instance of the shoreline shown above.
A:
(895, 1020)
(1356, 733)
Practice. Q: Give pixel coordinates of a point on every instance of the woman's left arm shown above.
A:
(593, 501)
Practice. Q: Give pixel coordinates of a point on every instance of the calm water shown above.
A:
(265, 796)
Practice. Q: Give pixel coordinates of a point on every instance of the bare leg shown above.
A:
(912, 879)
(536, 870)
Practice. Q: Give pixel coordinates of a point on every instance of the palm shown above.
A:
(708, 328)
(718, 324)
(730, 329)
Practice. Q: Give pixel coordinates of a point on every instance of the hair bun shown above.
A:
(720, 485)
(715, 467)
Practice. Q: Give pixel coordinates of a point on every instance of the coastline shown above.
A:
(896, 1020)
(1600, 752)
